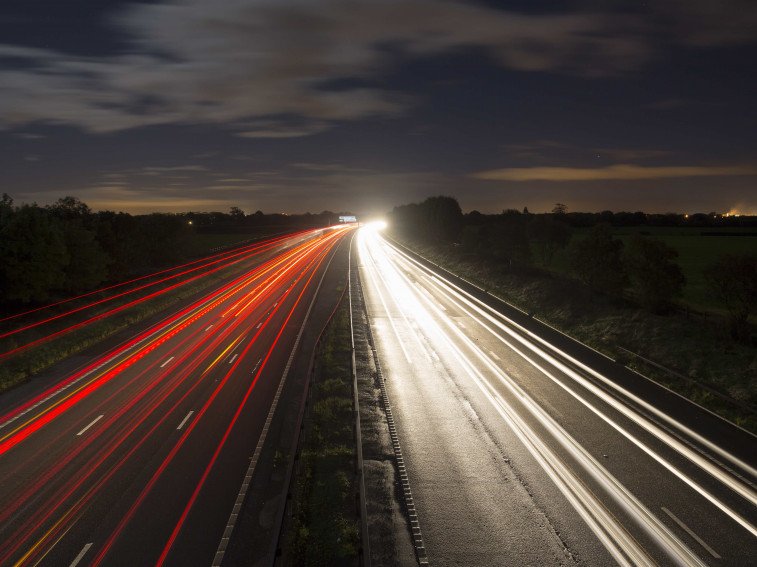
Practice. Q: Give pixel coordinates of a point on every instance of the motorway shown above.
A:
(138, 457)
(523, 447)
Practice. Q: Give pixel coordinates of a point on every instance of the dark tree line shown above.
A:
(505, 238)
(65, 249)
(518, 240)
(649, 268)
(236, 221)
(438, 218)
(639, 219)
(733, 279)
(646, 266)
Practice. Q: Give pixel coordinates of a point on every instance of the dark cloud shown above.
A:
(708, 23)
(221, 61)
(203, 103)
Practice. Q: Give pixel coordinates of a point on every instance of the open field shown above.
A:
(696, 250)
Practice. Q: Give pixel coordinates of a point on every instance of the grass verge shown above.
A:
(701, 351)
(325, 528)
(22, 366)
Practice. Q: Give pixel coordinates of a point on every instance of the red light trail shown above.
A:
(246, 253)
(227, 254)
(137, 391)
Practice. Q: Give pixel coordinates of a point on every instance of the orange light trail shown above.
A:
(98, 559)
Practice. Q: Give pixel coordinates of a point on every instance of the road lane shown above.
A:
(154, 479)
(619, 466)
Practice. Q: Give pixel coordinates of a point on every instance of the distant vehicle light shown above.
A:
(376, 225)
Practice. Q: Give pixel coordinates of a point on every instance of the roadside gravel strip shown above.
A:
(393, 528)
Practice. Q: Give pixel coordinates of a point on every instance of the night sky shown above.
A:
(361, 105)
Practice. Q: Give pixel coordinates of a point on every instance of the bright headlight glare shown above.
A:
(376, 225)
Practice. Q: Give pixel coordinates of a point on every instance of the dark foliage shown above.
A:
(33, 255)
(65, 249)
(550, 233)
(734, 280)
(655, 276)
(437, 218)
(596, 260)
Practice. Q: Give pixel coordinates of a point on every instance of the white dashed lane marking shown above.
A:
(98, 418)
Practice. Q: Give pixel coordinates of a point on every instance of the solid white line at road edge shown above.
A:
(81, 555)
(98, 418)
(689, 531)
(184, 421)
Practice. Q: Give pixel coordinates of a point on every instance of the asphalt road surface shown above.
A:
(526, 450)
(139, 457)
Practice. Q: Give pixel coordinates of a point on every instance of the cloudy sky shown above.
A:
(360, 105)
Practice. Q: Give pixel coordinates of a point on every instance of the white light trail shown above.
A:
(612, 534)
(454, 293)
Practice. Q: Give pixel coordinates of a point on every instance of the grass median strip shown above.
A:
(325, 528)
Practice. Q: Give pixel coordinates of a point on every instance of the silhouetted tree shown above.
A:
(654, 273)
(237, 214)
(407, 219)
(549, 235)
(69, 208)
(32, 255)
(443, 216)
(438, 218)
(733, 279)
(596, 260)
(559, 209)
(508, 239)
(474, 218)
(87, 263)
(6, 206)
(607, 217)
